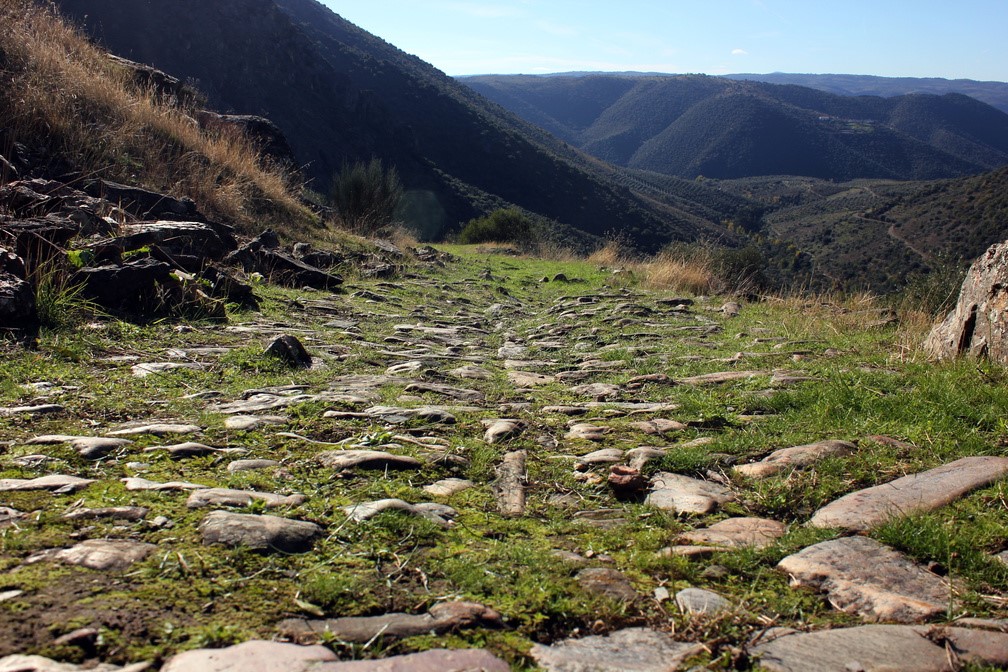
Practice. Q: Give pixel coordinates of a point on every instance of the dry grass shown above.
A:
(611, 254)
(66, 98)
(695, 275)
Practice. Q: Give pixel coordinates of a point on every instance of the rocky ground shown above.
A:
(495, 463)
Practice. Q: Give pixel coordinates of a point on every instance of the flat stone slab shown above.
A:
(721, 377)
(911, 494)
(889, 648)
(366, 459)
(138, 484)
(152, 368)
(682, 494)
(57, 483)
(448, 486)
(658, 426)
(599, 457)
(630, 650)
(158, 429)
(700, 601)
(597, 391)
(128, 513)
(529, 379)
(261, 533)
(502, 429)
(397, 415)
(862, 576)
(188, 449)
(443, 617)
(251, 465)
(459, 393)
(436, 513)
(252, 656)
(249, 422)
(795, 457)
(90, 447)
(471, 373)
(587, 432)
(9, 515)
(607, 582)
(434, 660)
(99, 554)
(22, 663)
(737, 533)
(228, 497)
(40, 409)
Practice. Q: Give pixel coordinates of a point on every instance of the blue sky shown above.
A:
(923, 38)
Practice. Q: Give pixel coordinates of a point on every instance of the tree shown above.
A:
(366, 195)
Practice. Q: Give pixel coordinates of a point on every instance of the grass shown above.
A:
(862, 383)
(66, 99)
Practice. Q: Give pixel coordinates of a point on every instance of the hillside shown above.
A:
(341, 94)
(994, 94)
(696, 125)
(877, 234)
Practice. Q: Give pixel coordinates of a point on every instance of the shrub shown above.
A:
(505, 225)
(366, 195)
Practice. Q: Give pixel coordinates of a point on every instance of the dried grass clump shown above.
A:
(68, 101)
(695, 275)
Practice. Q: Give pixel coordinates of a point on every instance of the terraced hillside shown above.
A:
(502, 463)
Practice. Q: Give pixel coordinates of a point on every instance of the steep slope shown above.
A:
(994, 94)
(698, 125)
(341, 94)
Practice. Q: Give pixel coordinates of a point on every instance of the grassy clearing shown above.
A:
(862, 382)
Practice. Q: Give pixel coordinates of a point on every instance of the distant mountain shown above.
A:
(994, 94)
(342, 94)
(697, 125)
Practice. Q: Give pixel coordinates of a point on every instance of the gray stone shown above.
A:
(250, 422)
(911, 494)
(433, 660)
(41, 409)
(142, 484)
(436, 513)
(861, 576)
(868, 648)
(526, 379)
(9, 516)
(128, 513)
(251, 656)
(501, 430)
(289, 350)
(23, 663)
(722, 377)
(630, 650)
(366, 459)
(250, 465)
(90, 447)
(795, 457)
(587, 432)
(977, 325)
(607, 582)
(509, 486)
(448, 487)
(682, 494)
(261, 533)
(227, 497)
(700, 601)
(603, 456)
(737, 533)
(98, 554)
(471, 373)
(158, 429)
(658, 426)
(442, 618)
(145, 369)
(57, 483)
(597, 391)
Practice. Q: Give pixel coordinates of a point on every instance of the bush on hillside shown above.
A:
(366, 195)
(505, 225)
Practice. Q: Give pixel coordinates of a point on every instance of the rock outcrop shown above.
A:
(978, 326)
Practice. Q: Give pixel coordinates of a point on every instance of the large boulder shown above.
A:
(263, 255)
(260, 131)
(978, 326)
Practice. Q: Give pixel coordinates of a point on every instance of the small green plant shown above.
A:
(509, 225)
(59, 302)
(366, 195)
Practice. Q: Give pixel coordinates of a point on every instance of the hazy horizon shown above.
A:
(470, 37)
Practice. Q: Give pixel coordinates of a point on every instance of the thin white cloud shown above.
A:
(739, 52)
(557, 29)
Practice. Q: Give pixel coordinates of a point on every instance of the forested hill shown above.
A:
(341, 94)
(697, 125)
(992, 93)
